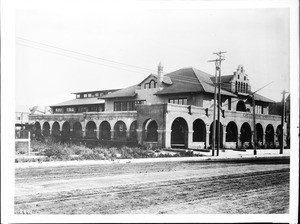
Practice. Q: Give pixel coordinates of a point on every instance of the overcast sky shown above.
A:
(69, 46)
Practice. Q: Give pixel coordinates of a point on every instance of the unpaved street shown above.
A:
(155, 188)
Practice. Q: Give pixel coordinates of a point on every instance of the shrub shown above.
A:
(21, 148)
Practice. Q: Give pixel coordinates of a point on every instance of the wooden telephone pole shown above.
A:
(218, 69)
(282, 122)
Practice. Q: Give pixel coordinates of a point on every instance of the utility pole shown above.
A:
(282, 122)
(254, 125)
(214, 117)
(218, 69)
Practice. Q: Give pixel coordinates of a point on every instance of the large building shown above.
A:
(167, 110)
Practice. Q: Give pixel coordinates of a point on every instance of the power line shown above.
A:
(85, 55)
(82, 59)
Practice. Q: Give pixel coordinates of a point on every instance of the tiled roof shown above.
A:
(80, 101)
(224, 78)
(190, 80)
(258, 97)
(126, 92)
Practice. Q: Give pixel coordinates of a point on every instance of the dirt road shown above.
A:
(155, 188)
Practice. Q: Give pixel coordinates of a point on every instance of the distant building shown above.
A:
(171, 110)
(21, 116)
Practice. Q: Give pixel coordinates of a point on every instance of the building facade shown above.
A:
(167, 110)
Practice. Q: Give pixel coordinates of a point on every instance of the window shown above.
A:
(93, 108)
(127, 105)
(97, 94)
(58, 110)
(124, 106)
(82, 109)
(77, 96)
(89, 95)
(131, 106)
(180, 101)
(150, 85)
(245, 78)
(70, 109)
(238, 76)
(85, 95)
(259, 109)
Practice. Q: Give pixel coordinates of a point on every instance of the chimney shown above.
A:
(160, 75)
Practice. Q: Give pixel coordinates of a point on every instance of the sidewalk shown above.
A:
(224, 155)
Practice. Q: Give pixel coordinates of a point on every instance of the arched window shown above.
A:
(241, 106)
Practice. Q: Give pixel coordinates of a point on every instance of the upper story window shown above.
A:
(58, 110)
(127, 105)
(181, 101)
(150, 85)
(70, 109)
(258, 109)
(78, 96)
(82, 109)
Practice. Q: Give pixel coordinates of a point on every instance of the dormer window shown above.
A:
(150, 85)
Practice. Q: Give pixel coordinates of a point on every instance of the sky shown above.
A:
(69, 46)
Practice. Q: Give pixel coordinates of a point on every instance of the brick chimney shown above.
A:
(160, 75)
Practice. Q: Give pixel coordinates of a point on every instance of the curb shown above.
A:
(237, 158)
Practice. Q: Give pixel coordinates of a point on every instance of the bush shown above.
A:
(21, 148)
(62, 151)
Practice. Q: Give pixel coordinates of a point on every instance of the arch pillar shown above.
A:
(224, 136)
(139, 136)
(160, 137)
(190, 138)
(168, 138)
(239, 143)
(128, 133)
(112, 134)
(207, 139)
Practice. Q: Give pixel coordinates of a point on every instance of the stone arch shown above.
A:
(199, 128)
(105, 131)
(132, 131)
(77, 130)
(120, 131)
(66, 131)
(37, 130)
(216, 133)
(55, 129)
(259, 135)
(246, 136)
(150, 128)
(179, 133)
(232, 133)
(46, 129)
(269, 136)
(91, 130)
(241, 106)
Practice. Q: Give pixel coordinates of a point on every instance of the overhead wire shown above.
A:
(84, 54)
(82, 59)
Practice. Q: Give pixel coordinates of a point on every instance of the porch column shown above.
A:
(112, 134)
(239, 144)
(224, 135)
(190, 138)
(168, 139)
(128, 134)
(160, 137)
(139, 136)
(207, 139)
